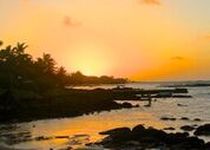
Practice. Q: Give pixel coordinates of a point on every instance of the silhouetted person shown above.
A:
(149, 101)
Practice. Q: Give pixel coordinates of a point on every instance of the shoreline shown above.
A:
(71, 102)
(140, 137)
(163, 120)
(21, 106)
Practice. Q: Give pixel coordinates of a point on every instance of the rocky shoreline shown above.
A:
(23, 105)
(137, 138)
(140, 138)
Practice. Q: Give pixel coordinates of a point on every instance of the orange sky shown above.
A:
(138, 39)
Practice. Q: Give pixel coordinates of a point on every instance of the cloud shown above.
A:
(151, 2)
(69, 22)
(177, 58)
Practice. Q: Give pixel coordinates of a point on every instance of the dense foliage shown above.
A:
(20, 70)
(34, 88)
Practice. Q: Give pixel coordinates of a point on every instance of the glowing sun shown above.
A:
(91, 60)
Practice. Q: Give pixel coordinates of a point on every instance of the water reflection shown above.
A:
(80, 130)
(76, 132)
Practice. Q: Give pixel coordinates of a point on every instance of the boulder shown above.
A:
(189, 143)
(138, 130)
(118, 134)
(169, 128)
(146, 138)
(168, 118)
(62, 137)
(42, 138)
(116, 131)
(194, 142)
(175, 138)
(127, 105)
(197, 119)
(184, 118)
(181, 105)
(187, 128)
(207, 145)
(203, 130)
(140, 133)
(155, 133)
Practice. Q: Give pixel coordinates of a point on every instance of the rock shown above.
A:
(138, 129)
(132, 143)
(169, 128)
(42, 138)
(116, 131)
(148, 138)
(194, 142)
(203, 130)
(127, 105)
(154, 133)
(172, 119)
(181, 105)
(189, 143)
(141, 133)
(62, 137)
(168, 118)
(207, 145)
(187, 128)
(118, 134)
(175, 138)
(197, 119)
(184, 118)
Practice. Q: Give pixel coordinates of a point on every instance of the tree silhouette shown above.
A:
(20, 70)
(14, 64)
(46, 63)
(62, 76)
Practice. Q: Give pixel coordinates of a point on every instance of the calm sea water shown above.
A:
(84, 129)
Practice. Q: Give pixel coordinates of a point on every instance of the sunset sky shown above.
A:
(137, 39)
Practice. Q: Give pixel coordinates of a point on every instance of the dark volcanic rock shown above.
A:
(187, 128)
(127, 105)
(175, 138)
(42, 138)
(168, 118)
(62, 137)
(138, 130)
(203, 130)
(117, 131)
(141, 137)
(169, 128)
(195, 142)
(207, 145)
(184, 118)
(189, 143)
(181, 105)
(197, 119)
(118, 134)
(143, 134)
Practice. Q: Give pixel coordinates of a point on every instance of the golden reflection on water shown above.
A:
(85, 129)
(198, 107)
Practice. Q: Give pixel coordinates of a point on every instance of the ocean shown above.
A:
(77, 131)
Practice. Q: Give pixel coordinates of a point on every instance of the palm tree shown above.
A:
(62, 76)
(46, 63)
